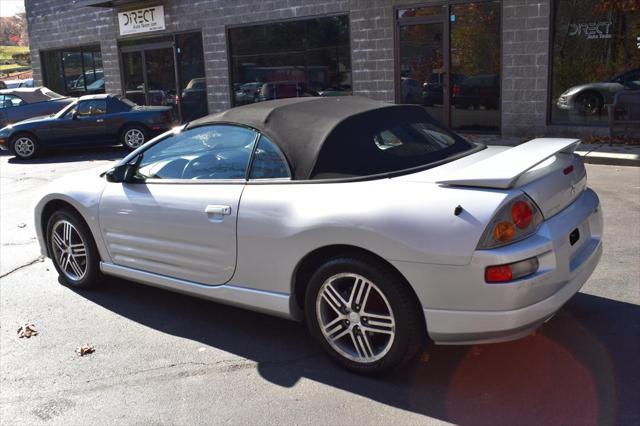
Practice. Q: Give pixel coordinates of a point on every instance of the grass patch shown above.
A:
(7, 51)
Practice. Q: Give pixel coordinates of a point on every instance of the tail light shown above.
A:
(457, 90)
(511, 271)
(515, 221)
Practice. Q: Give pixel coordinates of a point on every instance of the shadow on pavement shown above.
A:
(581, 368)
(70, 155)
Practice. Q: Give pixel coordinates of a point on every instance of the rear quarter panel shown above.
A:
(278, 224)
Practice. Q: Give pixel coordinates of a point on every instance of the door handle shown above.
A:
(215, 209)
(100, 120)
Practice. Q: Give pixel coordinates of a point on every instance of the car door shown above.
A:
(178, 217)
(90, 123)
(80, 125)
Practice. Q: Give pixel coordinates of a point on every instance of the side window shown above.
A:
(95, 107)
(8, 101)
(207, 152)
(268, 162)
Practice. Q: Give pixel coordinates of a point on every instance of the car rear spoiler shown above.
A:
(503, 169)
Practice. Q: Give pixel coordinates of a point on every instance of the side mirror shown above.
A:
(74, 116)
(121, 173)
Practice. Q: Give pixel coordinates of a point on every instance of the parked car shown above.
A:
(432, 89)
(476, 91)
(370, 220)
(89, 120)
(135, 93)
(20, 104)
(411, 90)
(247, 93)
(194, 99)
(14, 84)
(280, 90)
(590, 99)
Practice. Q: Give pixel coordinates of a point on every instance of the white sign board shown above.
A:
(141, 20)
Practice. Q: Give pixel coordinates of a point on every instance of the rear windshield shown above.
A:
(51, 94)
(386, 141)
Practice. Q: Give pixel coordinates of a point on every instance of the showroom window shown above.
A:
(73, 72)
(595, 54)
(290, 59)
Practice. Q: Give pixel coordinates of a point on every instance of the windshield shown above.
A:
(51, 94)
(66, 109)
(127, 102)
(386, 140)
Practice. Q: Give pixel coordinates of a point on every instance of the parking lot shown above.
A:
(165, 358)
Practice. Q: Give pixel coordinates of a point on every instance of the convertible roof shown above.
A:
(28, 94)
(300, 126)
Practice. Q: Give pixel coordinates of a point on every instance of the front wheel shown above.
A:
(73, 250)
(24, 146)
(363, 315)
(133, 137)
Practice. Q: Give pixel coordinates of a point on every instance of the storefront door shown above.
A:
(149, 75)
(449, 60)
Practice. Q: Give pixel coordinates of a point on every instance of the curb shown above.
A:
(607, 155)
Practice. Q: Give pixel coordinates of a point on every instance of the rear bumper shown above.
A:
(461, 308)
(467, 327)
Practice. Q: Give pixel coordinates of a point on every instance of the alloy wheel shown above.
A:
(355, 317)
(69, 250)
(134, 138)
(24, 147)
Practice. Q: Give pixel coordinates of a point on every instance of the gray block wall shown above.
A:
(59, 23)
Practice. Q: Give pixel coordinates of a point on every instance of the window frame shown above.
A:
(229, 27)
(280, 154)
(135, 155)
(549, 91)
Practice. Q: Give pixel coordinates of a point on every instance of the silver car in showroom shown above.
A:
(374, 224)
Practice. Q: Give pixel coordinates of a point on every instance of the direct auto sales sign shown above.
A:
(141, 20)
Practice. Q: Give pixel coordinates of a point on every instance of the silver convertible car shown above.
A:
(370, 221)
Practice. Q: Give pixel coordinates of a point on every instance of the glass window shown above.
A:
(268, 162)
(383, 142)
(191, 72)
(95, 107)
(475, 66)
(74, 72)
(596, 54)
(290, 59)
(8, 101)
(208, 152)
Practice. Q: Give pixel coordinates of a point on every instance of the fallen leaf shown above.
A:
(85, 350)
(27, 330)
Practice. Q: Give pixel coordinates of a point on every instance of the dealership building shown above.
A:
(513, 67)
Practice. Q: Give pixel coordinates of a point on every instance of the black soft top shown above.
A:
(301, 127)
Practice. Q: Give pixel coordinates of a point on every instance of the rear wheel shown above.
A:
(133, 137)
(73, 250)
(363, 315)
(24, 146)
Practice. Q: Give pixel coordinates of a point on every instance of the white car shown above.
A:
(376, 225)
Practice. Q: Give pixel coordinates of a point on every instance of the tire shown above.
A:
(24, 146)
(133, 137)
(589, 103)
(348, 338)
(81, 270)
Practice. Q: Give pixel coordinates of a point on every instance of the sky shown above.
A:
(11, 7)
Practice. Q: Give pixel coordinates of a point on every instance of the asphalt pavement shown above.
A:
(165, 358)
